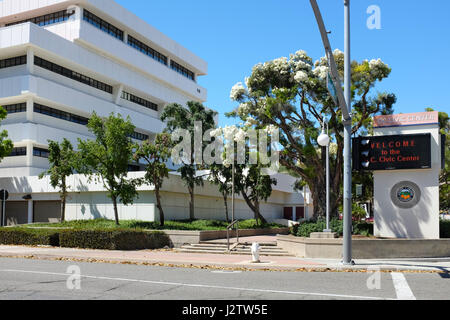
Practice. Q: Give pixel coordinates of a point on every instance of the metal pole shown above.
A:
(347, 249)
(328, 183)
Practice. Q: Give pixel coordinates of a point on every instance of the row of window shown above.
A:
(60, 114)
(102, 25)
(133, 42)
(47, 19)
(22, 151)
(12, 62)
(182, 70)
(140, 101)
(142, 47)
(72, 74)
(16, 108)
(55, 113)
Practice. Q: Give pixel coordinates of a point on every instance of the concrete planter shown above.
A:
(365, 248)
(181, 237)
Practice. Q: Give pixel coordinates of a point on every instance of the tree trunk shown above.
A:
(116, 213)
(63, 200)
(225, 198)
(159, 206)
(191, 204)
(255, 208)
(63, 208)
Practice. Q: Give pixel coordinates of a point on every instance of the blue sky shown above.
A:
(233, 36)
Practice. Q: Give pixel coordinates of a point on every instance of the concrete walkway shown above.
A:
(170, 258)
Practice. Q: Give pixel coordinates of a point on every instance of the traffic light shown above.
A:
(361, 153)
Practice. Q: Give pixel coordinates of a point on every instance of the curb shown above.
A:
(232, 267)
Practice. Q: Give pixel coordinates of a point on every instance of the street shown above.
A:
(25, 279)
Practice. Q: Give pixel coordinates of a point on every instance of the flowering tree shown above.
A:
(251, 180)
(291, 93)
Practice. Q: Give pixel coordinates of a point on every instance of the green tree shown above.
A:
(6, 144)
(221, 176)
(178, 117)
(106, 158)
(63, 162)
(156, 155)
(444, 178)
(291, 93)
(254, 187)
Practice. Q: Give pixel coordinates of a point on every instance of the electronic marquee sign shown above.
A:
(392, 152)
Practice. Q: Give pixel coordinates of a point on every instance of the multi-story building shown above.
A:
(61, 60)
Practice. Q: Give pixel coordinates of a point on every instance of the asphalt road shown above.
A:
(23, 279)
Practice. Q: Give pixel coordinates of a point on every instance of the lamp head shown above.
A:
(323, 140)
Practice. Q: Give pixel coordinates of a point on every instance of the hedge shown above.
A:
(304, 229)
(116, 239)
(29, 237)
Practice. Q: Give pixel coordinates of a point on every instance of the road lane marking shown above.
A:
(179, 284)
(402, 288)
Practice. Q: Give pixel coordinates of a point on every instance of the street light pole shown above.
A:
(347, 249)
(324, 141)
(344, 100)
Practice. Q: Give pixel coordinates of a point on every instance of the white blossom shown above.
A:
(321, 72)
(237, 91)
(301, 76)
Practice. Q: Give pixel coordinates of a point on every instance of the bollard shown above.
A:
(255, 252)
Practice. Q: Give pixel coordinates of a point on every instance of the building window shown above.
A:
(140, 101)
(133, 168)
(38, 108)
(72, 75)
(18, 152)
(12, 62)
(138, 45)
(39, 152)
(102, 25)
(182, 70)
(16, 108)
(139, 136)
(47, 19)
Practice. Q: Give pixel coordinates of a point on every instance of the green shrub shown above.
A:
(113, 239)
(445, 229)
(305, 228)
(29, 237)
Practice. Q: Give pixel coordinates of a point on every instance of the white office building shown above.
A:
(61, 60)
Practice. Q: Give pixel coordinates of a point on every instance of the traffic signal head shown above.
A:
(361, 153)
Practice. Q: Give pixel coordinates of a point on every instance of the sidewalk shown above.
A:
(170, 258)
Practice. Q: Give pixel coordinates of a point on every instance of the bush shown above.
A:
(445, 229)
(29, 237)
(117, 239)
(305, 228)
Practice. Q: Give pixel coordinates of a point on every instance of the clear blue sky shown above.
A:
(234, 35)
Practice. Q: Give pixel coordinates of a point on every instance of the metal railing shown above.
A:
(235, 224)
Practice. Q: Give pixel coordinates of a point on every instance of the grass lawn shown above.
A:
(196, 225)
